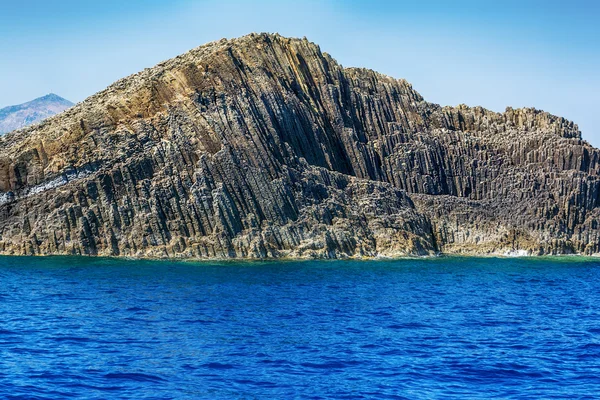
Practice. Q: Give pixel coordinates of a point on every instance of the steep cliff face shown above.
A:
(22, 115)
(264, 146)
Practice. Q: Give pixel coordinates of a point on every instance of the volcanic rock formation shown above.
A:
(16, 117)
(264, 146)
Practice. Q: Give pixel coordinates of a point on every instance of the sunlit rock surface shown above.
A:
(264, 146)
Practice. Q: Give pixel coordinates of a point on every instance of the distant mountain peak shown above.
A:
(52, 97)
(34, 111)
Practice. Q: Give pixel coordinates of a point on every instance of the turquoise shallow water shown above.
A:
(416, 329)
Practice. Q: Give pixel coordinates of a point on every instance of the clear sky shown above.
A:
(490, 53)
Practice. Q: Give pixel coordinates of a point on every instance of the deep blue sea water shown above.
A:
(416, 329)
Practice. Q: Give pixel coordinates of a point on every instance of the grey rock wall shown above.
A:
(264, 146)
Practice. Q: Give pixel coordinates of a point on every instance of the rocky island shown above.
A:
(266, 147)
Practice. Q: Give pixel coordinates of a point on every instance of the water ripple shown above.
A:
(409, 329)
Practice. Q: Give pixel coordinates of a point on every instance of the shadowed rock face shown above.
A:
(16, 117)
(264, 146)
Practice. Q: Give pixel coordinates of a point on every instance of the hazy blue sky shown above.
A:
(490, 53)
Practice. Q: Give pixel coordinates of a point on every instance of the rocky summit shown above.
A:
(264, 146)
(22, 115)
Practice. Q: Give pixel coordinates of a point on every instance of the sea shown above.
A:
(429, 328)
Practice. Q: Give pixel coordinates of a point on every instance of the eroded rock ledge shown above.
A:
(264, 146)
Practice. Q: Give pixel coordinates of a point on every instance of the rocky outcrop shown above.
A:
(16, 117)
(264, 146)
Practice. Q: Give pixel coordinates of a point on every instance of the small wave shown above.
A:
(251, 382)
(331, 365)
(72, 339)
(199, 321)
(409, 325)
(132, 376)
(136, 309)
(218, 366)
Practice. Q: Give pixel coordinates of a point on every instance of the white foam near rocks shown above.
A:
(516, 253)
